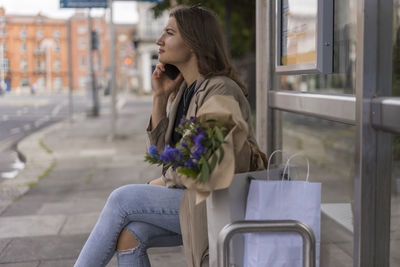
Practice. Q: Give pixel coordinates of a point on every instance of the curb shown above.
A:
(39, 161)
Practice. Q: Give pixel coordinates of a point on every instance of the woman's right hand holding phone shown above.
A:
(164, 86)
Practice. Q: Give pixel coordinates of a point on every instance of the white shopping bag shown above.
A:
(281, 200)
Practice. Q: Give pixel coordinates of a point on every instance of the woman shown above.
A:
(137, 217)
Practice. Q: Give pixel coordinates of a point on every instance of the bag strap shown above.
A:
(269, 160)
(288, 162)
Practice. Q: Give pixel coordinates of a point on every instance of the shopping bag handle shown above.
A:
(269, 160)
(288, 162)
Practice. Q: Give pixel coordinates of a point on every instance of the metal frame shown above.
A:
(323, 41)
(373, 148)
(385, 114)
(373, 113)
(339, 108)
(226, 234)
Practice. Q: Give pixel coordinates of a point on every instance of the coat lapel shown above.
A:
(175, 103)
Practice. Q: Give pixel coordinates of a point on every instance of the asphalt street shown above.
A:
(22, 115)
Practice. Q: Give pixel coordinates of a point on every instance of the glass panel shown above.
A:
(395, 203)
(342, 80)
(396, 48)
(395, 207)
(330, 148)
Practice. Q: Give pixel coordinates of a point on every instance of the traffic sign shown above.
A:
(83, 4)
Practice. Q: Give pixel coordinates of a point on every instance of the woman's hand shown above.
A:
(164, 86)
(157, 181)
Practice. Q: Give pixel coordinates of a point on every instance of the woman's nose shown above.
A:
(160, 40)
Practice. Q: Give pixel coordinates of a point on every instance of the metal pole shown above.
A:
(113, 72)
(71, 106)
(95, 110)
(309, 254)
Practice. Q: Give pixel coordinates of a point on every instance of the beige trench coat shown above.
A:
(193, 218)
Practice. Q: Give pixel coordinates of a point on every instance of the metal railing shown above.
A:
(309, 253)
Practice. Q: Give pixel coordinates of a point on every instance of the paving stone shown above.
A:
(73, 207)
(3, 243)
(165, 257)
(80, 223)
(43, 248)
(58, 263)
(21, 264)
(23, 226)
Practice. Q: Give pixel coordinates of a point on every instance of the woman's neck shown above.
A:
(189, 70)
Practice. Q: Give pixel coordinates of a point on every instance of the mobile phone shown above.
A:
(171, 71)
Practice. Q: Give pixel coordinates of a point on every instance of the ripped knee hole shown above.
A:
(127, 241)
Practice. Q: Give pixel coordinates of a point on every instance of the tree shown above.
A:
(239, 22)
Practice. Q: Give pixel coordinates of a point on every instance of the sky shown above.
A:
(124, 12)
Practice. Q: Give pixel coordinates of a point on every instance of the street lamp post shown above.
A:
(47, 44)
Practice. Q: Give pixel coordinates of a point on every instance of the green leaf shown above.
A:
(205, 172)
(188, 172)
(220, 136)
(221, 154)
(214, 160)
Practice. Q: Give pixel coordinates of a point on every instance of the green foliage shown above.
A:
(195, 155)
(242, 21)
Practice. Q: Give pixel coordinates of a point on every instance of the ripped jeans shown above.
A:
(150, 212)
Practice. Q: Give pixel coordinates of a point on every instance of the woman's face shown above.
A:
(173, 49)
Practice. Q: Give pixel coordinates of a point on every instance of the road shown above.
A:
(21, 115)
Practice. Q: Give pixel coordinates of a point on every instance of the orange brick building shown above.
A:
(80, 50)
(34, 51)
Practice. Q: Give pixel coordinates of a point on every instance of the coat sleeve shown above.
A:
(156, 136)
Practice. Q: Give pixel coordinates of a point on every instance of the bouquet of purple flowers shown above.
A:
(194, 155)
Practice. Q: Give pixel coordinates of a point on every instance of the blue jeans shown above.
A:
(150, 212)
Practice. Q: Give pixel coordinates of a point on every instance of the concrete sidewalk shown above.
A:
(48, 211)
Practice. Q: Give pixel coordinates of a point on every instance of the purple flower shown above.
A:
(191, 164)
(153, 152)
(199, 138)
(193, 119)
(183, 144)
(199, 152)
(171, 155)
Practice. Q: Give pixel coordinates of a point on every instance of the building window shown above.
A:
(57, 83)
(99, 61)
(24, 82)
(23, 34)
(40, 82)
(82, 62)
(99, 29)
(2, 19)
(3, 31)
(5, 64)
(39, 20)
(82, 43)
(3, 47)
(24, 65)
(39, 34)
(37, 48)
(23, 48)
(37, 66)
(57, 47)
(82, 81)
(57, 65)
(56, 34)
(43, 66)
(82, 29)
